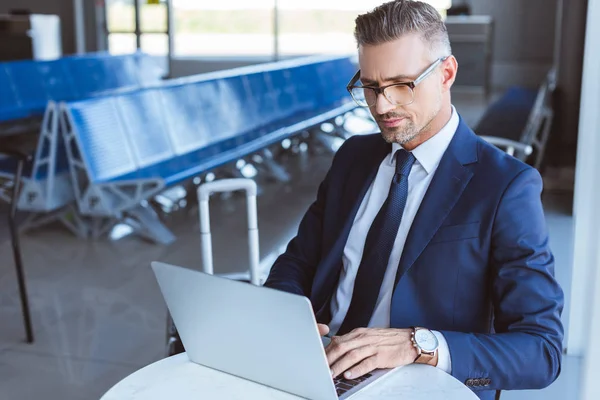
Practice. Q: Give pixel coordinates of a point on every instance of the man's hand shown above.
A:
(364, 350)
(323, 329)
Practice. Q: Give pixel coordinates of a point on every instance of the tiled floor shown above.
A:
(97, 310)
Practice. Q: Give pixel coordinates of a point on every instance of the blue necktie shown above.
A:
(378, 247)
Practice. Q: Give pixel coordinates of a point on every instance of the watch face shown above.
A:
(426, 340)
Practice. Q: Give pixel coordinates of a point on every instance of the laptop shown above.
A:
(256, 333)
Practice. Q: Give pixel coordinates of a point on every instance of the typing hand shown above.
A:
(364, 350)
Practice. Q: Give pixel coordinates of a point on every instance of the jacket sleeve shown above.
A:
(294, 270)
(524, 352)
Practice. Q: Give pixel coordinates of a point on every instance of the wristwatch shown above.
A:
(426, 344)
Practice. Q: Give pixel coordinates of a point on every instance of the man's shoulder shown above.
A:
(498, 166)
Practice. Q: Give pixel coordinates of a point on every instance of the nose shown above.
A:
(383, 105)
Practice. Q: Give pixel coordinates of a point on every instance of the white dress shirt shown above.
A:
(428, 156)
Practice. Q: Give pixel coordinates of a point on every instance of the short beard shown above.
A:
(401, 135)
(407, 133)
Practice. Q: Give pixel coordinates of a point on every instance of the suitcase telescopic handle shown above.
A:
(229, 185)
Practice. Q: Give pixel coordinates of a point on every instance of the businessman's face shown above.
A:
(403, 60)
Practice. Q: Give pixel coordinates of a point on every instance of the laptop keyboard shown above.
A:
(342, 385)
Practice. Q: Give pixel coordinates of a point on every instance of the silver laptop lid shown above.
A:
(256, 333)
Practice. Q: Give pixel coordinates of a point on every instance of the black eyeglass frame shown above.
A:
(381, 89)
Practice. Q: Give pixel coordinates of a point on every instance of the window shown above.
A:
(317, 26)
(324, 26)
(154, 38)
(120, 24)
(132, 26)
(237, 27)
(223, 27)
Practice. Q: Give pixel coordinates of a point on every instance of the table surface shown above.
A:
(177, 377)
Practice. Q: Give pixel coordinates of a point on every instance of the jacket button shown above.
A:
(487, 382)
(477, 382)
(469, 382)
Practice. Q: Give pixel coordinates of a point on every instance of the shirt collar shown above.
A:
(430, 153)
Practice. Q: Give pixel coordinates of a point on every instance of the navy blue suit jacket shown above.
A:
(476, 265)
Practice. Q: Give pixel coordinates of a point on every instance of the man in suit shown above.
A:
(426, 244)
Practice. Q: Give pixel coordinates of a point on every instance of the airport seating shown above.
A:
(520, 121)
(30, 93)
(29, 85)
(125, 148)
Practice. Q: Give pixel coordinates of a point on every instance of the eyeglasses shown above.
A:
(399, 94)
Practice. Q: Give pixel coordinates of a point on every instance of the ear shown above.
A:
(449, 71)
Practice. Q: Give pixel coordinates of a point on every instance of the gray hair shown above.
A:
(394, 19)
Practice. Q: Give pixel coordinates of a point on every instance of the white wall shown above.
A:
(587, 194)
(591, 367)
(585, 299)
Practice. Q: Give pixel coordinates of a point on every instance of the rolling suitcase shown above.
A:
(174, 345)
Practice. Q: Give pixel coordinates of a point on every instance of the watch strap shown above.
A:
(423, 356)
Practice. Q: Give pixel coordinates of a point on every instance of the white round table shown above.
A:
(178, 378)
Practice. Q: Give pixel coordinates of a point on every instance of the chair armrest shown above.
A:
(497, 141)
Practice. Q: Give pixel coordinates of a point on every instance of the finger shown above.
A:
(350, 359)
(367, 365)
(340, 345)
(323, 329)
(337, 348)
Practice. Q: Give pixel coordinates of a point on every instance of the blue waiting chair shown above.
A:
(30, 103)
(520, 121)
(125, 148)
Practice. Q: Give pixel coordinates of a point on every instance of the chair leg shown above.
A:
(498, 393)
(14, 236)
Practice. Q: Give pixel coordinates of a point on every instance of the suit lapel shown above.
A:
(357, 183)
(450, 180)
